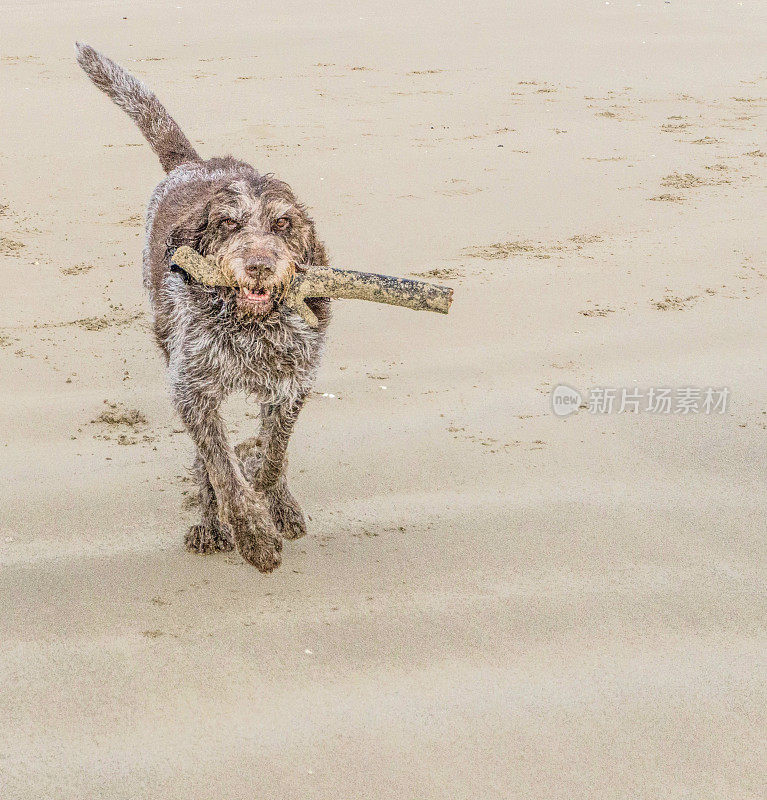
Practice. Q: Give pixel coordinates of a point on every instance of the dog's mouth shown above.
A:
(257, 301)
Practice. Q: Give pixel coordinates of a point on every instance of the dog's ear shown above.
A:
(315, 251)
(189, 230)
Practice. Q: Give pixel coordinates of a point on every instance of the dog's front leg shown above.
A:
(243, 509)
(264, 463)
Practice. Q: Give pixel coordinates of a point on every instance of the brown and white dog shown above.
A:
(217, 341)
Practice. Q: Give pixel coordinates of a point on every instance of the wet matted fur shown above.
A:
(217, 341)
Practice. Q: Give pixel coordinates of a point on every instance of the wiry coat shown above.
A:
(218, 340)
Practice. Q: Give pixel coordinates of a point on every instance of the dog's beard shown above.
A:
(259, 302)
(252, 301)
(235, 305)
(256, 303)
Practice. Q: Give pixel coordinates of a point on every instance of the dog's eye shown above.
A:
(229, 224)
(281, 224)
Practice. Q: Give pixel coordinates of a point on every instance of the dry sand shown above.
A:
(492, 602)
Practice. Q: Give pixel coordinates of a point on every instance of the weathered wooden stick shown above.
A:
(328, 282)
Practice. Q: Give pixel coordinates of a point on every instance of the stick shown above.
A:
(328, 282)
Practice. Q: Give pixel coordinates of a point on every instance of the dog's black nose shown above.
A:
(257, 267)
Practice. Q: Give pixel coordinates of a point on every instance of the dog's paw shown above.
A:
(263, 552)
(206, 539)
(258, 541)
(286, 513)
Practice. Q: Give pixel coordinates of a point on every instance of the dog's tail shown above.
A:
(141, 105)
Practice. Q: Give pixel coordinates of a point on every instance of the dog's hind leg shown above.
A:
(211, 534)
(286, 513)
(264, 464)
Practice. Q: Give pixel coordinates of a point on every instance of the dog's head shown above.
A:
(254, 227)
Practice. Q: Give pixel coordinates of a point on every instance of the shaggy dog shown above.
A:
(217, 341)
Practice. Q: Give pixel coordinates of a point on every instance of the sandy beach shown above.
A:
(493, 601)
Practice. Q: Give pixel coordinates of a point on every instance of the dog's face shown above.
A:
(259, 232)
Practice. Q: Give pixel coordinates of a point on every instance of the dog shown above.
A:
(220, 340)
